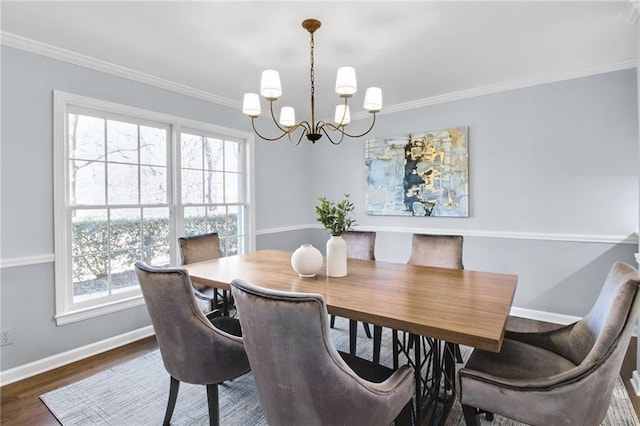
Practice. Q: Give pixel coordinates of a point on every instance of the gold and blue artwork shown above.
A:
(419, 175)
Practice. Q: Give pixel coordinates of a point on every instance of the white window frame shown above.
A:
(179, 211)
(68, 312)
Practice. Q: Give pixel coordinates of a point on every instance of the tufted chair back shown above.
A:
(300, 376)
(193, 350)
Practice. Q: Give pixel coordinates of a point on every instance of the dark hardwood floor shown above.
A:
(628, 365)
(20, 403)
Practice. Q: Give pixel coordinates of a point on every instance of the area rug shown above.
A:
(136, 392)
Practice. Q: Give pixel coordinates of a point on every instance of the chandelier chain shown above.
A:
(313, 89)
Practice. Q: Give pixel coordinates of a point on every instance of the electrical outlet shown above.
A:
(6, 336)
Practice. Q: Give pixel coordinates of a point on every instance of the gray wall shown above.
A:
(27, 302)
(548, 165)
(556, 158)
(547, 161)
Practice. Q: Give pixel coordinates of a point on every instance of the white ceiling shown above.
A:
(417, 52)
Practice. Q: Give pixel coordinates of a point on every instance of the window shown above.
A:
(128, 183)
(212, 197)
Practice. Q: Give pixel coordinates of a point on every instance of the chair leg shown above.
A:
(367, 331)
(471, 416)
(405, 418)
(333, 321)
(353, 332)
(214, 301)
(212, 401)
(225, 303)
(396, 350)
(377, 339)
(174, 386)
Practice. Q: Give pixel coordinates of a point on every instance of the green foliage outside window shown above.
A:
(91, 243)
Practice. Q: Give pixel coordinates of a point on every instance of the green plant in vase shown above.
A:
(335, 216)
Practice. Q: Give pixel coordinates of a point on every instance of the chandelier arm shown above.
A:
(329, 136)
(304, 132)
(333, 127)
(304, 124)
(253, 124)
(338, 128)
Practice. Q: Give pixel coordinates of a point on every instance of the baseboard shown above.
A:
(59, 360)
(635, 382)
(554, 319)
(544, 316)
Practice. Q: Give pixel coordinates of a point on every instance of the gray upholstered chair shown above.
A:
(442, 251)
(300, 376)
(361, 245)
(560, 377)
(194, 348)
(198, 248)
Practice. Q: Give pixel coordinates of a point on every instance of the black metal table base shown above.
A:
(435, 364)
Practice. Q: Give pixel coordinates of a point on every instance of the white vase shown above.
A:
(336, 257)
(306, 260)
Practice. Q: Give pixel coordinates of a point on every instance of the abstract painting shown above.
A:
(424, 175)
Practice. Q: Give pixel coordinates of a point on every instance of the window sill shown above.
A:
(96, 311)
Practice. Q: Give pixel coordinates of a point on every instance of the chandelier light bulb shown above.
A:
(270, 86)
(287, 116)
(346, 84)
(373, 99)
(342, 116)
(251, 105)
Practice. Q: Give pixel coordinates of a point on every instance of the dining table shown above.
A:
(435, 307)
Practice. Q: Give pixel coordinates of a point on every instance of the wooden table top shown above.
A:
(460, 306)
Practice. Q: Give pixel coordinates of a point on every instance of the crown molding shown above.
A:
(43, 49)
(503, 87)
(632, 12)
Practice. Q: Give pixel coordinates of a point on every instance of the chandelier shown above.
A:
(346, 86)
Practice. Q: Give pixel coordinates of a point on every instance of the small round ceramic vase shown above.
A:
(306, 260)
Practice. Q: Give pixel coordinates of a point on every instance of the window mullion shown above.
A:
(176, 223)
(141, 224)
